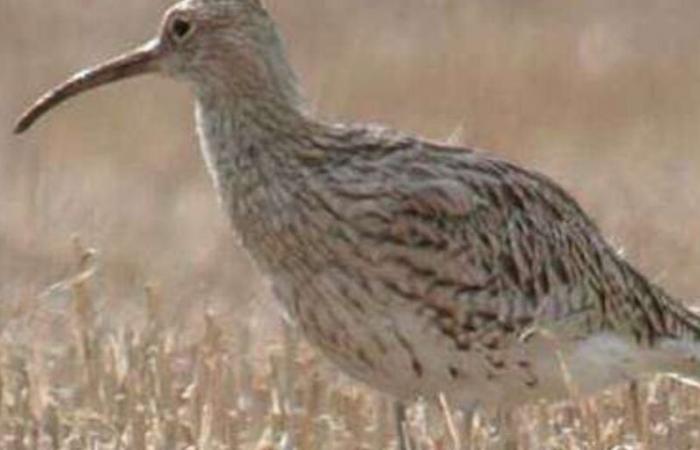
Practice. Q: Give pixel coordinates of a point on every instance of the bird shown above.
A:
(420, 268)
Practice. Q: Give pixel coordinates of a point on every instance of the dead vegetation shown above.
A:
(86, 383)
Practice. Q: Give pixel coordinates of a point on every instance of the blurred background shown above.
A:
(602, 96)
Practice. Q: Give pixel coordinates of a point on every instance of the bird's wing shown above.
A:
(478, 240)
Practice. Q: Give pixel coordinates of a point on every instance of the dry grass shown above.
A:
(84, 383)
(604, 96)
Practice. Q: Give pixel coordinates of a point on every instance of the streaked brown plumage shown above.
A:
(417, 267)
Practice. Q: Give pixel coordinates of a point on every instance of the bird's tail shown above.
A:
(683, 343)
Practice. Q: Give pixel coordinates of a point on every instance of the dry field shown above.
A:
(163, 337)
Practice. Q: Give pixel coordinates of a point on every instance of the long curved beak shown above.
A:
(140, 61)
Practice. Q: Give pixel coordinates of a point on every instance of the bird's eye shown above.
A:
(181, 28)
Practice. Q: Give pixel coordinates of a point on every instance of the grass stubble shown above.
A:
(101, 385)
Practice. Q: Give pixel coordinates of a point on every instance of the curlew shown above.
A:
(417, 267)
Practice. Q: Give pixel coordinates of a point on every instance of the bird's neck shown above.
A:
(250, 148)
(251, 121)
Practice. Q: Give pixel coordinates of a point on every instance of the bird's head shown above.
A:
(222, 47)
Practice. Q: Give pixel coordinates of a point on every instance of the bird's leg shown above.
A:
(469, 418)
(401, 426)
(508, 429)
